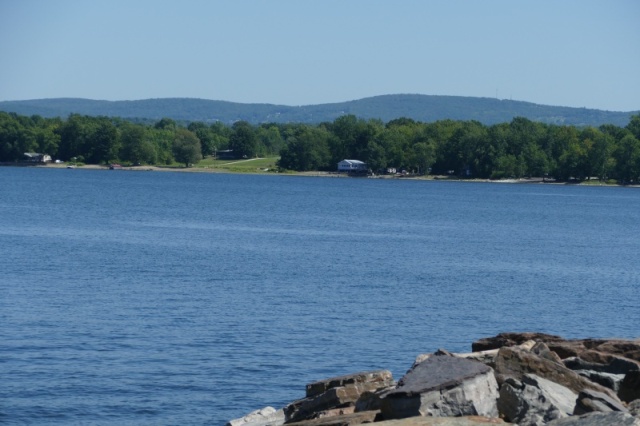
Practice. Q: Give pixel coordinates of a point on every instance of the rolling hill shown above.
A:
(426, 108)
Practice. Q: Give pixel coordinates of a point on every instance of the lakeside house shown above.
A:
(226, 154)
(352, 166)
(35, 157)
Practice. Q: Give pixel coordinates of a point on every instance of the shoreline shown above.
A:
(323, 174)
(521, 378)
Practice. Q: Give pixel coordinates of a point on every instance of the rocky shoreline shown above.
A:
(512, 378)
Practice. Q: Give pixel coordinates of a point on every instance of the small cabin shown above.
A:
(226, 154)
(352, 166)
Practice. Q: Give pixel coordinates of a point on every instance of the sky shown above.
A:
(578, 53)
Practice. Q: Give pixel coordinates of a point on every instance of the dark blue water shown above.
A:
(185, 298)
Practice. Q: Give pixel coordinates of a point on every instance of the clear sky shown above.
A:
(579, 53)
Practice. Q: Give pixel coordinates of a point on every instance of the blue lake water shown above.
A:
(188, 298)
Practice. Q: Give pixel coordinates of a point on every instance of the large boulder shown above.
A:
(630, 387)
(594, 350)
(609, 372)
(590, 400)
(443, 386)
(535, 401)
(612, 364)
(608, 380)
(516, 363)
(511, 339)
(267, 416)
(336, 392)
(383, 378)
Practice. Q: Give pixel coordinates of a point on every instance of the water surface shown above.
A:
(185, 298)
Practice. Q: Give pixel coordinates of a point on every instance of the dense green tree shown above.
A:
(47, 138)
(243, 140)
(308, 149)
(101, 144)
(162, 141)
(136, 148)
(634, 126)
(376, 156)
(627, 157)
(186, 147)
(166, 124)
(206, 137)
(270, 140)
(519, 148)
(73, 137)
(423, 155)
(220, 136)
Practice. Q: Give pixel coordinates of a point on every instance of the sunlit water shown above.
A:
(186, 298)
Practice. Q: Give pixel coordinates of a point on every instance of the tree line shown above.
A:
(520, 148)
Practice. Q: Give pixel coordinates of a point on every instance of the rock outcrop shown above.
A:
(267, 416)
(336, 392)
(516, 362)
(443, 386)
(589, 401)
(630, 386)
(535, 400)
(523, 378)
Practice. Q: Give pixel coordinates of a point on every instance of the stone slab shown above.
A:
(438, 373)
(383, 377)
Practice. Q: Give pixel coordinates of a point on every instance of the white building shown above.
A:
(352, 166)
(35, 157)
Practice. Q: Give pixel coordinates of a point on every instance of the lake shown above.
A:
(193, 298)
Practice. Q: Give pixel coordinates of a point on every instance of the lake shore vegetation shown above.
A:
(459, 149)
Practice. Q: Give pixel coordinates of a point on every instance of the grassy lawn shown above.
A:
(250, 165)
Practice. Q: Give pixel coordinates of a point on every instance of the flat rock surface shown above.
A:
(511, 339)
(438, 373)
(383, 377)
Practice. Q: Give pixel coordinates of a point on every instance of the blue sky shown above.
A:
(578, 53)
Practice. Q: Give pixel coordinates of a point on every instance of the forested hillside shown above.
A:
(468, 149)
(423, 108)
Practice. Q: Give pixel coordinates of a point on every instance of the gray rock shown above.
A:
(485, 357)
(511, 339)
(443, 386)
(634, 408)
(267, 416)
(589, 401)
(613, 365)
(336, 397)
(542, 350)
(630, 387)
(370, 401)
(336, 392)
(598, 419)
(608, 380)
(535, 401)
(594, 350)
(515, 362)
(382, 377)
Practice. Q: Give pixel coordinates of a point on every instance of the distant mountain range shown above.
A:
(425, 108)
